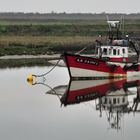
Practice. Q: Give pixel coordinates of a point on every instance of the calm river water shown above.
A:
(39, 112)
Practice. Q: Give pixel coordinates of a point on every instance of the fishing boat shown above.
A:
(111, 60)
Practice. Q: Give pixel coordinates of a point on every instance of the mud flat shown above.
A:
(15, 57)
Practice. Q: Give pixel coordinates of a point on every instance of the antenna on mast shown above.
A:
(108, 21)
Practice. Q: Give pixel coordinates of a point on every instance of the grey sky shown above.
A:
(70, 6)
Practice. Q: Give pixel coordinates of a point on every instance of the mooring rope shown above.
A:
(42, 75)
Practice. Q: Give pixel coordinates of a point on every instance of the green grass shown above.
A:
(54, 36)
(62, 29)
(53, 30)
(33, 45)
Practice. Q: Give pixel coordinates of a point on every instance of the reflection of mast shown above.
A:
(116, 104)
(136, 101)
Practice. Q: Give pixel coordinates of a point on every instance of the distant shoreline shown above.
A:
(65, 16)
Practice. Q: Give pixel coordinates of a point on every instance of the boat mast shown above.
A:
(114, 29)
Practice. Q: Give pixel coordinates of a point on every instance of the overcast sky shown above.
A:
(71, 6)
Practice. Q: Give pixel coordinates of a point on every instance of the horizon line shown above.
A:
(53, 12)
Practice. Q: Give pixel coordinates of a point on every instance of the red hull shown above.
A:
(97, 67)
(81, 67)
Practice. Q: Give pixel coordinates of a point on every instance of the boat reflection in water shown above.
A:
(114, 97)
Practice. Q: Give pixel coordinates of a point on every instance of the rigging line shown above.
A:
(81, 50)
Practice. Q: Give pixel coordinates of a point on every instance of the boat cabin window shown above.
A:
(105, 51)
(105, 101)
(118, 52)
(114, 52)
(123, 100)
(123, 51)
(114, 101)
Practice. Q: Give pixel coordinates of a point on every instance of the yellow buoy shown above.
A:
(30, 78)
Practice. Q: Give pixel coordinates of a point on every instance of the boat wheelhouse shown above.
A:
(113, 53)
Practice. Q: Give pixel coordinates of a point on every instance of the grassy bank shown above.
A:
(78, 28)
(33, 45)
(54, 36)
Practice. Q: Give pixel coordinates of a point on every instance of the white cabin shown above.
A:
(116, 52)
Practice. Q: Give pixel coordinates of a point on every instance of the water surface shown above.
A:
(29, 113)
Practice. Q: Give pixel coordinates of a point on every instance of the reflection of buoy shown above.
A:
(30, 78)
